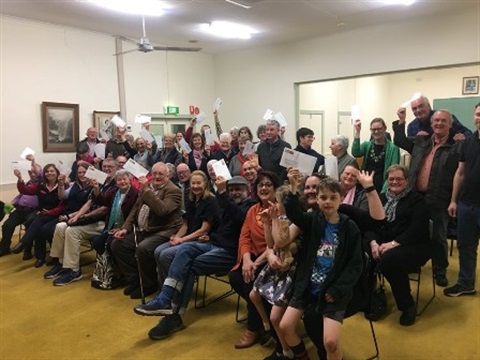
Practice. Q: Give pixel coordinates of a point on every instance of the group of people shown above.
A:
(291, 251)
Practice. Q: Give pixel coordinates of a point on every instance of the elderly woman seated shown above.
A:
(404, 243)
(353, 192)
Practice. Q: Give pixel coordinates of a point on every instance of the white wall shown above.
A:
(44, 62)
(251, 81)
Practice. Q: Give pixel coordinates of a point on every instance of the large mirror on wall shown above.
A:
(325, 106)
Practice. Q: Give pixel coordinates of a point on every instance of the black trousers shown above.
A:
(17, 217)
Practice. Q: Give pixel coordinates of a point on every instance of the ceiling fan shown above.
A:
(144, 44)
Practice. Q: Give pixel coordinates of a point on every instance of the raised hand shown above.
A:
(402, 114)
(365, 178)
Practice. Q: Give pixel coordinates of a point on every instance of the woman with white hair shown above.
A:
(339, 147)
(226, 151)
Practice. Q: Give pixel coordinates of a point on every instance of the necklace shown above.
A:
(376, 158)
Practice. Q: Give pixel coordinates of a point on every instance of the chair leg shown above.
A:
(204, 302)
(429, 301)
(377, 351)
(451, 246)
(237, 313)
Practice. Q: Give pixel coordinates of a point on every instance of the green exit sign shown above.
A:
(172, 110)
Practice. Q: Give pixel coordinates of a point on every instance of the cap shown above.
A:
(238, 180)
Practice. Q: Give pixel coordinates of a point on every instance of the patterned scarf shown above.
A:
(116, 216)
(392, 202)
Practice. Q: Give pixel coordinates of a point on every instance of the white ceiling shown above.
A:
(278, 21)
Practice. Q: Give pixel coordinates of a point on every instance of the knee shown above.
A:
(275, 319)
(285, 328)
(254, 296)
(330, 343)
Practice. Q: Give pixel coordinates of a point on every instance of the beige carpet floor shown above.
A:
(41, 321)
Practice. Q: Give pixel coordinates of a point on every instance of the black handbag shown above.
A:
(378, 301)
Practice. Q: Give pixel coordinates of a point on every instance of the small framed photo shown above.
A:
(101, 120)
(60, 127)
(470, 85)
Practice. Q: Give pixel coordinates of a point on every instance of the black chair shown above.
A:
(201, 301)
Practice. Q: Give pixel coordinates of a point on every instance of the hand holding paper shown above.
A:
(217, 104)
(221, 169)
(25, 152)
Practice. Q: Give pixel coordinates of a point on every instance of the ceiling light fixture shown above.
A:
(136, 7)
(228, 30)
(398, 2)
(239, 4)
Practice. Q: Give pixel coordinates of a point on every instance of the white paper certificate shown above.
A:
(142, 119)
(117, 120)
(303, 162)
(209, 137)
(331, 167)
(185, 147)
(97, 175)
(26, 152)
(135, 168)
(64, 169)
(146, 136)
(100, 150)
(221, 169)
(217, 104)
(104, 135)
(249, 148)
(201, 118)
(21, 165)
(268, 115)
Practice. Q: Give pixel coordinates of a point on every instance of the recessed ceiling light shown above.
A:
(136, 7)
(228, 30)
(398, 2)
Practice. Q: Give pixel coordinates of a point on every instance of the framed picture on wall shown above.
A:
(60, 127)
(470, 85)
(101, 120)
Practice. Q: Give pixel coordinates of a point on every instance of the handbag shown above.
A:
(378, 301)
(104, 276)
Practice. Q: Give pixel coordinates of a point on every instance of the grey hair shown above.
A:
(445, 111)
(122, 172)
(274, 123)
(225, 137)
(342, 140)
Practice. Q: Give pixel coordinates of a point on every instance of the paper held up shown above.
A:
(281, 119)
(184, 146)
(355, 114)
(303, 162)
(331, 167)
(249, 148)
(97, 175)
(221, 169)
(100, 150)
(147, 136)
(135, 168)
(217, 104)
(118, 122)
(64, 169)
(268, 115)
(25, 152)
(209, 140)
(142, 119)
(201, 118)
(21, 165)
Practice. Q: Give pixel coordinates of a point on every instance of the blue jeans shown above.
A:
(468, 232)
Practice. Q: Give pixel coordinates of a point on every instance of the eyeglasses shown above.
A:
(376, 129)
(397, 179)
(265, 185)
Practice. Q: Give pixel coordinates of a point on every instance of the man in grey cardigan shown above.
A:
(157, 216)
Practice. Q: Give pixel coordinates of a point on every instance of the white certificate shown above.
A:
(201, 118)
(268, 115)
(249, 148)
(221, 169)
(142, 119)
(100, 150)
(64, 169)
(355, 114)
(21, 165)
(209, 140)
(97, 175)
(158, 140)
(146, 136)
(118, 122)
(331, 167)
(26, 152)
(135, 168)
(303, 162)
(185, 147)
(281, 119)
(217, 104)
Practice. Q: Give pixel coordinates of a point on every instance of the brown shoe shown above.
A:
(248, 339)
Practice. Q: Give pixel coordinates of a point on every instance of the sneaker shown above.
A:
(54, 271)
(459, 290)
(155, 307)
(68, 277)
(266, 338)
(275, 356)
(167, 326)
(408, 316)
(441, 280)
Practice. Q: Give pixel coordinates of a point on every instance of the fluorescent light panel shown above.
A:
(398, 2)
(135, 7)
(228, 30)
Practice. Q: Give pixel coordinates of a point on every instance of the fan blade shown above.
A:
(123, 38)
(176, 48)
(125, 52)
